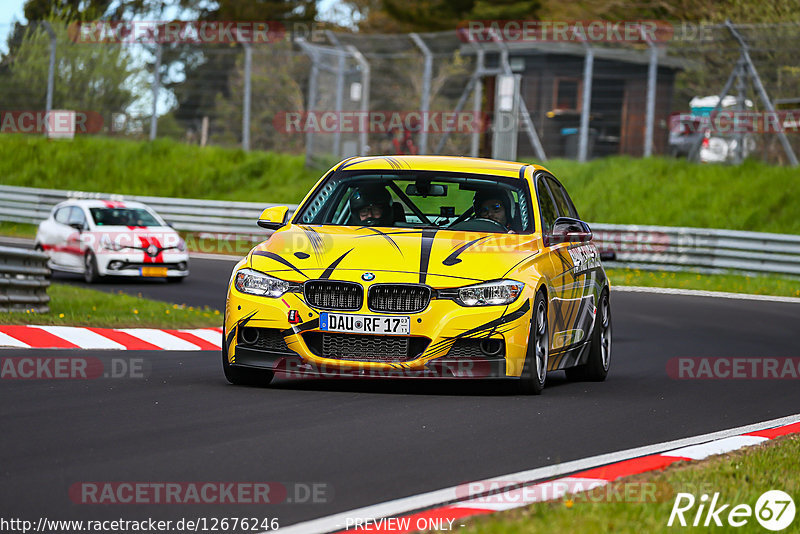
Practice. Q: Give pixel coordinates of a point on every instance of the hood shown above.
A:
(439, 258)
(137, 237)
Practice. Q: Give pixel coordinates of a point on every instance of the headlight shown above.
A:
(256, 283)
(107, 244)
(494, 293)
(181, 245)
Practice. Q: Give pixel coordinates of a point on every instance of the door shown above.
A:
(559, 265)
(578, 280)
(73, 251)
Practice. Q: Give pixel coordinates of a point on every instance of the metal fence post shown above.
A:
(365, 80)
(425, 101)
(652, 72)
(586, 102)
(741, 105)
(527, 123)
(477, 103)
(312, 95)
(340, 68)
(51, 69)
(248, 69)
(155, 89)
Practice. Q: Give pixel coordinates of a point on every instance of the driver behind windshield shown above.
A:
(493, 205)
(371, 205)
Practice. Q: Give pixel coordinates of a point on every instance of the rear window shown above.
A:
(123, 217)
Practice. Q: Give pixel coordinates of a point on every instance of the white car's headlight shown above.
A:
(107, 244)
(495, 293)
(181, 245)
(256, 283)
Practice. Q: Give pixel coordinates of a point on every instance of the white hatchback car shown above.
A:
(102, 237)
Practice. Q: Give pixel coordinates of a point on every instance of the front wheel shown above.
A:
(534, 372)
(596, 367)
(90, 268)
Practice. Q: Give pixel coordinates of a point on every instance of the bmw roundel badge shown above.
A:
(368, 277)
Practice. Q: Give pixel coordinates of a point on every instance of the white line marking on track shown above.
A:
(720, 446)
(8, 341)
(160, 338)
(85, 339)
(701, 293)
(404, 505)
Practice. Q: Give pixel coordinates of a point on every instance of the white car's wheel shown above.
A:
(90, 268)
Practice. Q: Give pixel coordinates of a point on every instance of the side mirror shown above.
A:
(77, 226)
(568, 230)
(273, 218)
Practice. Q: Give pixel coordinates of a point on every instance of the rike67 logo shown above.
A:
(774, 510)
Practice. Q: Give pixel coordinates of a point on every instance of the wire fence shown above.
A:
(332, 95)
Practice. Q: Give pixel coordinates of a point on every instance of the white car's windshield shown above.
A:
(123, 217)
(451, 201)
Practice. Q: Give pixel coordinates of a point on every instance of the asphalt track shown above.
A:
(371, 441)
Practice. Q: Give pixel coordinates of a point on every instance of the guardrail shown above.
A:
(24, 279)
(698, 249)
(645, 247)
(31, 205)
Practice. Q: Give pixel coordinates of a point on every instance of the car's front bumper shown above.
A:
(438, 328)
(133, 264)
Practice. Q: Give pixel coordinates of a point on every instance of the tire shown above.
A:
(597, 365)
(242, 376)
(534, 372)
(90, 268)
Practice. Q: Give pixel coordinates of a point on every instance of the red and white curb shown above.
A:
(446, 506)
(74, 337)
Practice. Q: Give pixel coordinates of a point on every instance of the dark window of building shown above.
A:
(567, 93)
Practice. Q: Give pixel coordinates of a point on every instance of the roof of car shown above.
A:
(99, 203)
(437, 163)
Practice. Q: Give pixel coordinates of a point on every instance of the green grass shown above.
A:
(161, 168)
(733, 283)
(740, 478)
(660, 191)
(672, 192)
(17, 229)
(77, 306)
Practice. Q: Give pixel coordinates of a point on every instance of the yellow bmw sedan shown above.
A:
(422, 267)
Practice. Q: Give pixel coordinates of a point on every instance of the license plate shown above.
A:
(364, 324)
(154, 271)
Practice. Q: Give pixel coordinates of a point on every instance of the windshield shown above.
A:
(123, 217)
(452, 201)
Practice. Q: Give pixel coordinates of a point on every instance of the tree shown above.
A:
(87, 77)
(435, 15)
(274, 89)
